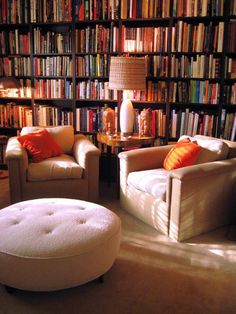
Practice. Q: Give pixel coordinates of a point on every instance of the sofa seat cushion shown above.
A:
(60, 167)
(150, 181)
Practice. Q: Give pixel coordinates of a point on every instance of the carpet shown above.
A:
(152, 274)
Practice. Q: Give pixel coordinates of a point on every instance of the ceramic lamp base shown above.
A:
(126, 118)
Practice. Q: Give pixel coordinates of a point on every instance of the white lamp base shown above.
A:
(126, 118)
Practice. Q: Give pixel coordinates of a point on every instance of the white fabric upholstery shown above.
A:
(74, 174)
(63, 135)
(60, 167)
(150, 181)
(51, 244)
(213, 149)
(198, 198)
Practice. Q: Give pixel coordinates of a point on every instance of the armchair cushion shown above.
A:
(183, 154)
(62, 135)
(213, 149)
(40, 145)
(152, 181)
(61, 167)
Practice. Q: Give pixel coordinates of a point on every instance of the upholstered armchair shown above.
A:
(73, 174)
(183, 202)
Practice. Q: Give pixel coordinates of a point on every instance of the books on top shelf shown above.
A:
(87, 10)
(197, 8)
(55, 11)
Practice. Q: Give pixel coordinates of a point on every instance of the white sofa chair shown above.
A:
(74, 174)
(184, 202)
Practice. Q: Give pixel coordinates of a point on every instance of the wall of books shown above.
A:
(60, 51)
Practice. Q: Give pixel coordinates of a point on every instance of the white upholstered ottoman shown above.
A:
(52, 244)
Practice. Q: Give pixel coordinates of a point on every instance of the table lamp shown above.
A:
(5, 84)
(126, 74)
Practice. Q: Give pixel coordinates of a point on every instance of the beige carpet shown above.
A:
(152, 274)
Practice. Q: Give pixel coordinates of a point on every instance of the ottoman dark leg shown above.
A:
(101, 279)
(10, 290)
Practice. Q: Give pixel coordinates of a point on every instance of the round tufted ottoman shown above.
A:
(51, 244)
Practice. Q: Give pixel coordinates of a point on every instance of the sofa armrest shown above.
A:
(202, 198)
(17, 162)
(144, 158)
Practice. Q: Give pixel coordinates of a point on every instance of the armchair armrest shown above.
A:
(202, 198)
(15, 153)
(84, 149)
(17, 162)
(144, 158)
(87, 155)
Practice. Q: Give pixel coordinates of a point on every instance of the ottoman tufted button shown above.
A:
(48, 251)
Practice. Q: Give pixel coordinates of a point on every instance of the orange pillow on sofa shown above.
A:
(40, 145)
(183, 154)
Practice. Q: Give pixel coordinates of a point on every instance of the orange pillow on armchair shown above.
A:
(40, 145)
(183, 154)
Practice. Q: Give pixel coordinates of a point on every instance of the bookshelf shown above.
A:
(61, 52)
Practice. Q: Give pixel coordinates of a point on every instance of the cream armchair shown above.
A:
(184, 202)
(75, 174)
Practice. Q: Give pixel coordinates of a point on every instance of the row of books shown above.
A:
(199, 66)
(92, 65)
(195, 8)
(97, 39)
(53, 88)
(228, 125)
(194, 91)
(231, 44)
(15, 66)
(157, 65)
(89, 119)
(43, 11)
(230, 68)
(188, 37)
(132, 9)
(52, 42)
(50, 115)
(233, 7)
(14, 11)
(95, 90)
(229, 96)
(191, 123)
(144, 39)
(15, 115)
(96, 9)
(14, 42)
(53, 66)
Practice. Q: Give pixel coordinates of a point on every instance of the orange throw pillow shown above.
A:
(40, 145)
(183, 154)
